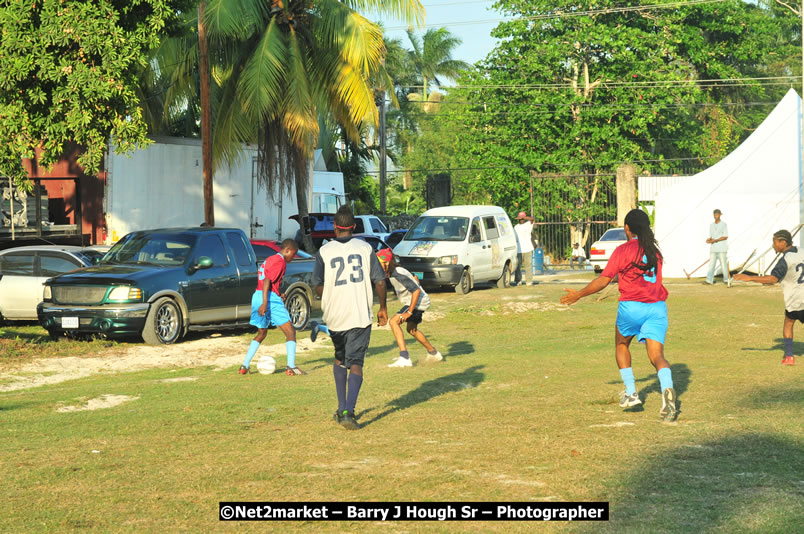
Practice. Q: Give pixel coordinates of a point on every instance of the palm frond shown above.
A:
(409, 11)
(239, 19)
(298, 109)
(262, 80)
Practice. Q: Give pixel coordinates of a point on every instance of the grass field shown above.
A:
(523, 409)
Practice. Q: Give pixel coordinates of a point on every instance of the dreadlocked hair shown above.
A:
(639, 224)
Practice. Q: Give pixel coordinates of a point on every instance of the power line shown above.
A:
(560, 14)
(727, 82)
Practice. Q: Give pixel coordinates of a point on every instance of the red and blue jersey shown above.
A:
(635, 284)
(272, 269)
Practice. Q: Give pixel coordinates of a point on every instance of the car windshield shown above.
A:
(615, 234)
(90, 256)
(433, 228)
(168, 250)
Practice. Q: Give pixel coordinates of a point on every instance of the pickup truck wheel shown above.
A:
(299, 309)
(163, 323)
(464, 284)
(505, 279)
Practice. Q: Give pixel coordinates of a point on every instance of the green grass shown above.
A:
(524, 409)
(22, 343)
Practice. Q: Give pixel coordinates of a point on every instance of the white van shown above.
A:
(457, 246)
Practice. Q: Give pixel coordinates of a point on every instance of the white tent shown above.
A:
(758, 187)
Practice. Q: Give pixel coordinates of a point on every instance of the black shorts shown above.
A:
(416, 317)
(797, 315)
(351, 345)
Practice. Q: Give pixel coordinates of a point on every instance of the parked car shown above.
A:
(23, 271)
(300, 299)
(395, 237)
(376, 243)
(459, 245)
(323, 227)
(601, 250)
(158, 284)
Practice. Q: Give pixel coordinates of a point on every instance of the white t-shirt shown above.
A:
(523, 231)
(717, 231)
(578, 252)
(347, 268)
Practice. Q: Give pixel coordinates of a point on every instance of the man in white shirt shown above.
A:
(579, 255)
(719, 246)
(524, 230)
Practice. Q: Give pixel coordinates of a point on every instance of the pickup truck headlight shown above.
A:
(125, 293)
(47, 295)
(448, 260)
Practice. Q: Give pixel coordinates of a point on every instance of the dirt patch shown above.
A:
(219, 352)
(179, 379)
(98, 403)
(521, 307)
(618, 424)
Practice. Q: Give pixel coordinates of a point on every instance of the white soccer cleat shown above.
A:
(401, 362)
(437, 357)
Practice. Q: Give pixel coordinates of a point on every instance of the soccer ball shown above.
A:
(266, 365)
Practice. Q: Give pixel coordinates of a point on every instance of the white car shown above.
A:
(23, 271)
(601, 249)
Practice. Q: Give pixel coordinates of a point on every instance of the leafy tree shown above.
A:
(281, 62)
(574, 95)
(68, 73)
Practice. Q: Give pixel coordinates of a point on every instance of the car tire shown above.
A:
(464, 285)
(55, 335)
(163, 325)
(505, 280)
(298, 306)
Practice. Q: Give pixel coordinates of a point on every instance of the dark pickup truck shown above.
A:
(158, 284)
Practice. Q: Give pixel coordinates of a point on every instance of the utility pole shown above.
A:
(380, 100)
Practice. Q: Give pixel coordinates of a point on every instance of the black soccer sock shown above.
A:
(788, 346)
(404, 354)
(340, 374)
(355, 381)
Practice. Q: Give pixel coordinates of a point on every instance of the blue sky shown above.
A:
(454, 14)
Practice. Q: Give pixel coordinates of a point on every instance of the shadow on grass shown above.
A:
(373, 351)
(771, 397)
(460, 347)
(466, 379)
(741, 483)
(798, 347)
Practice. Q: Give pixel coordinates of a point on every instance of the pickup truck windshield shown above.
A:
(438, 229)
(168, 250)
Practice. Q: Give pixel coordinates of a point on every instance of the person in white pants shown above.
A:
(718, 249)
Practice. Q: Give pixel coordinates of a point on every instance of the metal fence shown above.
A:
(572, 209)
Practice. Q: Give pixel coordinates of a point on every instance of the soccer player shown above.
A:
(344, 271)
(791, 287)
(642, 311)
(268, 306)
(415, 301)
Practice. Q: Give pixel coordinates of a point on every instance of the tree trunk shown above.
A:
(206, 119)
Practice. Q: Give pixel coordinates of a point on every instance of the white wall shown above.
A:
(161, 187)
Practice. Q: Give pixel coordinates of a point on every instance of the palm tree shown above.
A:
(278, 63)
(432, 57)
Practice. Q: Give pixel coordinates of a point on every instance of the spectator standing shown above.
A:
(524, 235)
(718, 249)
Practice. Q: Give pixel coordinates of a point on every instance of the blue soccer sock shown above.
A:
(404, 354)
(627, 375)
(324, 329)
(340, 385)
(665, 378)
(252, 350)
(788, 346)
(291, 348)
(355, 381)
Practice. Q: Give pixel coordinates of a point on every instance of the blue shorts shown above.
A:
(276, 313)
(646, 320)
